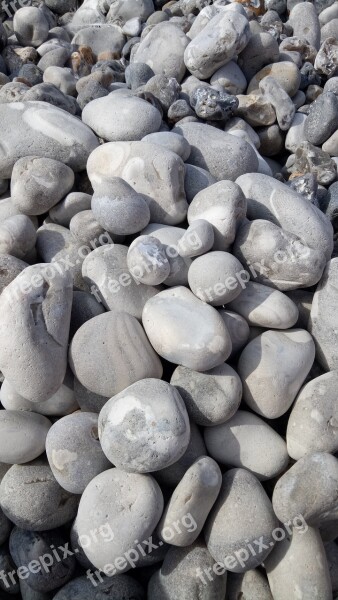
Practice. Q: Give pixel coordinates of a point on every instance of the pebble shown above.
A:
(215, 278)
(155, 172)
(73, 203)
(196, 335)
(118, 208)
(30, 26)
(298, 563)
(85, 228)
(26, 546)
(304, 21)
(74, 452)
(39, 129)
(263, 306)
(17, 236)
(147, 260)
(285, 359)
(312, 425)
(107, 274)
(63, 402)
(196, 493)
(163, 50)
(131, 503)
(256, 110)
(225, 36)
(123, 354)
(38, 184)
(322, 322)
(200, 231)
(145, 428)
(211, 149)
(322, 121)
(223, 205)
(230, 523)
(308, 488)
(36, 507)
(230, 77)
(23, 436)
(261, 50)
(280, 100)
(33, 307)
(179, 576)
(121, 118)
(211, 397)
(248, 442)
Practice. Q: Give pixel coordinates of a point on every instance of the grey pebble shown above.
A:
(123, 354)
(74, 452)
(145, 427)
(211, 397)
(35, 507)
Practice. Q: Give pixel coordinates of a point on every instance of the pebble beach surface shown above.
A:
(168, 300)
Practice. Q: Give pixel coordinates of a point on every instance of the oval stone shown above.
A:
(40, 129)
(186, 331)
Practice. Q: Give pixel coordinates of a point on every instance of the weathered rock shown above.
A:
(145, 427)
